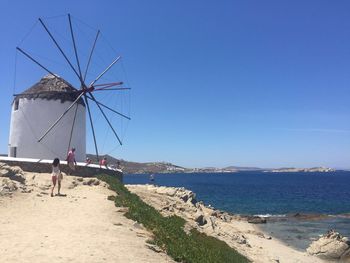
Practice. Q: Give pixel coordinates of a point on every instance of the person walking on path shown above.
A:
(56, 176)
(71, 159)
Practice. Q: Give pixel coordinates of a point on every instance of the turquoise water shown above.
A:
(279, 195)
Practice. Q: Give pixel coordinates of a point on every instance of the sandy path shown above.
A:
(81, 227)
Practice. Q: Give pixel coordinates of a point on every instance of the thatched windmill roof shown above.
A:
(51, 88)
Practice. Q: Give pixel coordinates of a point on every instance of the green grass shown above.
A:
(168, 231)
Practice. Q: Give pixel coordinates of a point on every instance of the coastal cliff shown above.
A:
(235, 230)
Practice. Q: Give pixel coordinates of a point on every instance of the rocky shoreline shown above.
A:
(240, 232)
(331, 246)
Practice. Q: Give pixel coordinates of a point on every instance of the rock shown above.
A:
(7, 186)
(199, 204)
(215, 213)
(211, 222)
(345, 258)
(261, 235)
(73, 185)
(165, 208)
(199, 218)
(330, 246)
(256, 220)
(138, 226)
(154, 248)
(91, 181)
(14, 173)
(186, 195)
(122, 209)
(226, 217)
(3, 172)
(163, 190)
(240, 239)
(309, 216)
(97, 182)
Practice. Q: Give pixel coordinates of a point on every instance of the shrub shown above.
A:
(169, 232)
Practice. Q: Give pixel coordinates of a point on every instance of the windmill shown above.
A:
(40, 102)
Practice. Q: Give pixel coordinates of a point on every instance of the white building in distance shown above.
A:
(35, 110)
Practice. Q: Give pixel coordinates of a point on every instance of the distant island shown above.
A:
(166, 167)
(303, 170)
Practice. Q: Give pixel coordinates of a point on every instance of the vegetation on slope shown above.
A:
(169, 233)
(140, 168)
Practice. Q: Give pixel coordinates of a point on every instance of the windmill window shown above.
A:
(16, 105)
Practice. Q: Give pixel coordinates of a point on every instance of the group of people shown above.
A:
(71, 162)
(102, 162)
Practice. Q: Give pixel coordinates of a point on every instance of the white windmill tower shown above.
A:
(50, 117)
(35, 108)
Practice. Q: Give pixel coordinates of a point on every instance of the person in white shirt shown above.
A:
(56, 175)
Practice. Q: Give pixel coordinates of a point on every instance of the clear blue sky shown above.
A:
(216, 83)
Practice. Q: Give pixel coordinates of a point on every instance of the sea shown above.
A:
(298, 206)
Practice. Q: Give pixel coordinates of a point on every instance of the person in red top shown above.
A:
(104, 162)
(71, 159)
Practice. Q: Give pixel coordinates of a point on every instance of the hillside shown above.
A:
(141, 168)
(165, 167)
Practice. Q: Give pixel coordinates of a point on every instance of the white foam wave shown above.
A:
(269, 215)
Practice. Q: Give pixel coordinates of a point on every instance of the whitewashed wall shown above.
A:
(34, 117)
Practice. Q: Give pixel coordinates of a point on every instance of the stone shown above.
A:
(14, 173)
(199, 219)
(7, 186)
(73, 185)
(154, 248)
(256, 220)
(330, 247)
(212, 222)
(345, 258)
(240, 239)
(91, 181)
(138, 226)
(226, 217)
(122, 209)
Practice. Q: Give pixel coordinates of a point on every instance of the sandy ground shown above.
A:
(244, 237)
(83, 226)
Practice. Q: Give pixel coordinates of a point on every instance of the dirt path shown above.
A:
(81, 227)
